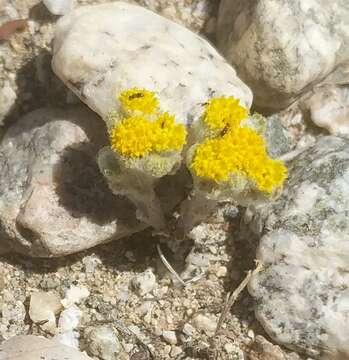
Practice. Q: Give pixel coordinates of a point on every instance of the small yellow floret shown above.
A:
(169, 135)
(224, 111)
(136, 99)
(137, 136)
(242, 151)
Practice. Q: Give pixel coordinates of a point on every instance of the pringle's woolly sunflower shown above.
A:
(241, 150)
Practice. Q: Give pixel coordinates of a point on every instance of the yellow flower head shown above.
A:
(141, 100)
(136, 136)
(133, 136)
(224, 111)
(239, 151)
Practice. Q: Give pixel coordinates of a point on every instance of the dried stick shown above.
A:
(232, 297)
(173, 271)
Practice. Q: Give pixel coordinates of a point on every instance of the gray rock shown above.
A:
(302, 295)
(277, 138)
(34, 347)
(53, 199)
(281, 48)
(98, 52)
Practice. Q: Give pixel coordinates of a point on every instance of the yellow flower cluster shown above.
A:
(224, 111)
(150, 130)
(238, 150)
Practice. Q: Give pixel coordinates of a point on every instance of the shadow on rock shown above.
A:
(82, 189)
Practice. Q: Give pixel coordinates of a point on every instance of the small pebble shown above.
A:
(221, 272)
(43, 307)
(74, 295)
(188, 330)
(176, 350)
(250, 334)
(170, 337)
(144, 283)
(229, 348)
(205, 323)
(102, 342)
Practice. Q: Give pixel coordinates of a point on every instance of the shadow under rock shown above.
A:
(83, 191)
(37, 86)
(41, 14)
(242, 246)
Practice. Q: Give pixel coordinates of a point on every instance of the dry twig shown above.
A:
(232, 297)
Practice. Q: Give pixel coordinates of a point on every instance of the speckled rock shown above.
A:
(281, 48)
(53, 199)
(34, 347)
(302, 295)
(197, 15)
(98, 52)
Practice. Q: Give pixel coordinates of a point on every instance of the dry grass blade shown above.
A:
(173, 271)
(127, 332)
(168, 265)
(232, 297)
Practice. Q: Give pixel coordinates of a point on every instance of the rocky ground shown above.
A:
(134, 305)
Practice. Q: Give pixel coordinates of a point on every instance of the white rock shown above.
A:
(44, 307)
(170, 337)
(282, 48)
(31, 347)
(144, 282)
(100, 51)
(74, 295)
(49, 202)
(69, 319)
(59, 7)
(68, 322)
